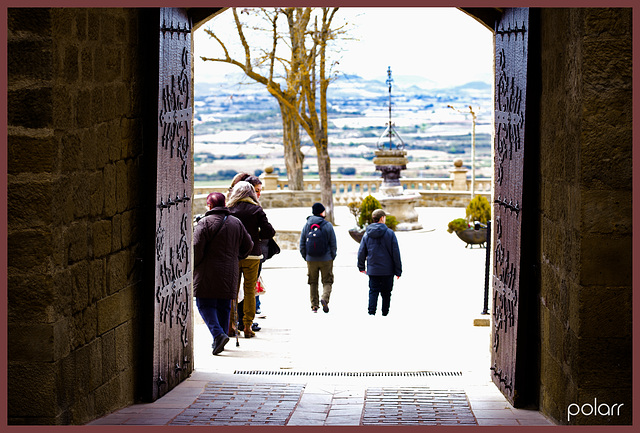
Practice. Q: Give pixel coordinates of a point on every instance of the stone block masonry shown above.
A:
(74, 153)
(585, 219)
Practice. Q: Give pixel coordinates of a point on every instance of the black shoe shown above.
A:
(219, 343)
(255, 327)
(325, 306)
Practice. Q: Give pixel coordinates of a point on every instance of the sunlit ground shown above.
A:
(429, 327)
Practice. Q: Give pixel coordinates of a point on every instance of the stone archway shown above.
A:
(576, 259)
(76, 123)
(492, 15)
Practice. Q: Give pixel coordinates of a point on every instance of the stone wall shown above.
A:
(288, 239)
(586, 224)
(446, 198)
(280, 199)
(74, 149)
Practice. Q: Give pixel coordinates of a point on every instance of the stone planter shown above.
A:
(473, 237)
(356, 234)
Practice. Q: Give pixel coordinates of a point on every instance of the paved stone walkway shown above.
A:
(416, 406)
(251, 404)
(430, 328)
(242, 404)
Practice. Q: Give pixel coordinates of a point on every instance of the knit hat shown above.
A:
(317, 208)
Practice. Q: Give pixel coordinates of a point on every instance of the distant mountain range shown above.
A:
(238, 126)
(348, 85)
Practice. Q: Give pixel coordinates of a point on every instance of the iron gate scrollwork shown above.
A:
(173, 349)
(511, 44)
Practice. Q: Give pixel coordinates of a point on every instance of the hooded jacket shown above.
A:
(379, 248)
(329, 236)
(255, 221)
(218, 246)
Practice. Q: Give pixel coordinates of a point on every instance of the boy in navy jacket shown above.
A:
(379, 248)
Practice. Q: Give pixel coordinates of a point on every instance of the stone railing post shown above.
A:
(269, 179)
(459, 176)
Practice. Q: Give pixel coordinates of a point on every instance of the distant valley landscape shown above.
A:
(237, 127)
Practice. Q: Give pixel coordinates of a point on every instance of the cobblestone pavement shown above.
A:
(253, 404)
(242, 404)
(416, 406)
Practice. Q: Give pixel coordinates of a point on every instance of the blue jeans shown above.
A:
(380, 285)
(215, 313)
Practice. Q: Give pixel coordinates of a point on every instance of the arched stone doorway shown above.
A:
(491, 16)
(77, 223)
(524, 373)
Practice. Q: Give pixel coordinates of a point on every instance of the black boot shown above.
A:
(219, 343)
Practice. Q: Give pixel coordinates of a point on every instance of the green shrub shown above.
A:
(479, 209)
(368, 205)
(457, 225)
(354, 209)
(391, 222)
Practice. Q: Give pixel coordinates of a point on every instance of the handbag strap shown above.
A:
(219, 227)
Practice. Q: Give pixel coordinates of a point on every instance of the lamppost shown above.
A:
(390, 131)
(473, 148)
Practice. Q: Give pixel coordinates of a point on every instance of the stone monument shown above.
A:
(390, 162)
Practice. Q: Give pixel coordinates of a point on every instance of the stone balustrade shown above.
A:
(276, 194)
(433, 192)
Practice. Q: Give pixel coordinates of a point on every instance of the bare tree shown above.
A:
(302, 95)
(316, 124)
(286, 93)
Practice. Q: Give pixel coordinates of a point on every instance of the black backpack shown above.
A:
(316, 243)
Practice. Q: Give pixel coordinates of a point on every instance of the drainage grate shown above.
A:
(349, 373)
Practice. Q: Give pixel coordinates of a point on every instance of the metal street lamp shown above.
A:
(473, 148)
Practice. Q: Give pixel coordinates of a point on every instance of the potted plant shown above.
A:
(473, 228)
(361, 211)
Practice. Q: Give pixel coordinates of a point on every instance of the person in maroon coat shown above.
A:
(220, 241)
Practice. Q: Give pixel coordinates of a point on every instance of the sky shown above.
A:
(444, 47)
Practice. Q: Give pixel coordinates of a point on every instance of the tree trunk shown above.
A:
(324, 172)
(293, 157)
(324, 162)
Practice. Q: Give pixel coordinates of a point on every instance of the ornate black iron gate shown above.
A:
(511, 369)
(173, 331)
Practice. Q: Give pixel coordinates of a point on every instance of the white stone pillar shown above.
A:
(459, 176)
(269, 179)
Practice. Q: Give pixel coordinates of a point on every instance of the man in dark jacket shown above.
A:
(220, 241)
(379, 247)
(319, 260)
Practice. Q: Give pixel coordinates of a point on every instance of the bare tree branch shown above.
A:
(302, 95)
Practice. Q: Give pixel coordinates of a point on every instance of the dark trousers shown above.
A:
(215, 313)
(380, 285)
(316, 270)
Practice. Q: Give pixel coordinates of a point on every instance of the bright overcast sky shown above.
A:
(442, 45)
